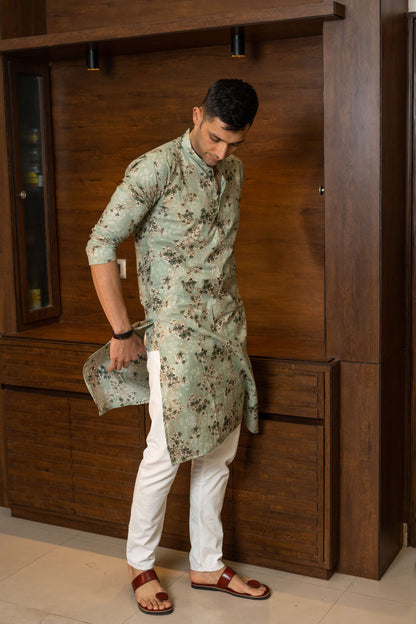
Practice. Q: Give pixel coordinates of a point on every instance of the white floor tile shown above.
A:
(73, 583)
(22, 541)
(398, 583)
(15, 614)
(289, 604)
(53, 575)
(337, 581)
(356, 609)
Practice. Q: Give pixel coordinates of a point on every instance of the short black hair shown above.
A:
(233, 101)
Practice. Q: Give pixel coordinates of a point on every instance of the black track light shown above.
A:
(92, 57)
(237, 41)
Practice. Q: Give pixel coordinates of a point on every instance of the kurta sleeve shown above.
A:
(143, 184)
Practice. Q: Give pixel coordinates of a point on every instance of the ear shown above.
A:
(197, 115)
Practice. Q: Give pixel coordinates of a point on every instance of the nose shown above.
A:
(221, 150)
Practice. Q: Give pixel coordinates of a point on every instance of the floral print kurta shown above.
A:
(184, 229)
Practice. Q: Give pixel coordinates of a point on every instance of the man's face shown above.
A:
(211, 141)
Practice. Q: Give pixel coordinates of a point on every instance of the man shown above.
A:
(181, 201)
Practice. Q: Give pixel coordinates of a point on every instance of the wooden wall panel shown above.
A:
(7, 298)
(393, 102)
(19, 18)
(105, 119)
(39, 454)
(106, 452)
(352, 182)
(359, 469)
(392, 455)
(75, 15)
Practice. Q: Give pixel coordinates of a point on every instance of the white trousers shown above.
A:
(209, 477)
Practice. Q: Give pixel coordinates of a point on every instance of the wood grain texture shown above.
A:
(276, 491)
(393, 166)
(8, 320)
(392, 455)
(359, 469)
(182, 25)
(63, 16)
(411, 449)
(353, 182)
(22, 19)
(103, 121)
(43, 367)
(38, 451)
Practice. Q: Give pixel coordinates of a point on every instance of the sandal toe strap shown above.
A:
(144, 577)
(225, 578)
(162, 596)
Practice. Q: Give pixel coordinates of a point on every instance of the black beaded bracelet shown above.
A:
(124, 336)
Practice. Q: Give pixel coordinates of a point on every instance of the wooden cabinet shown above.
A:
(320, 253)
(33, 193)
(38, 451)
(286, 480)
(282, 501)
(66, 464)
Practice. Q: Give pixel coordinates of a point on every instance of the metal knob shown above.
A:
(321, 190)
(22, 194)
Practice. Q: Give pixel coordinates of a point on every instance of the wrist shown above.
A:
(123, 335)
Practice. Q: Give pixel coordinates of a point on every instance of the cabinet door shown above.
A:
(38, 451)
(32, 184)
(278, 482)
(106, 452)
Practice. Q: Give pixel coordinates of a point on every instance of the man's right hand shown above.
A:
(122, 352)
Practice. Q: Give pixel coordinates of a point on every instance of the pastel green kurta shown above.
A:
(184, 230)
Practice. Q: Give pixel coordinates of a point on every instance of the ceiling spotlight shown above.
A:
(92, 58)
(237, 41)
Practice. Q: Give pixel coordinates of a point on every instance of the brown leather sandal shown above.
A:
(224, 581)
(145, 577)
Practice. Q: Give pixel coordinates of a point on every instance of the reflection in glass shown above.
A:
(29, 89)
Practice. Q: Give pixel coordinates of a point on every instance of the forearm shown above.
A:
(108, 287)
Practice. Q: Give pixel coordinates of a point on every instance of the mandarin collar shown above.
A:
(189, 150)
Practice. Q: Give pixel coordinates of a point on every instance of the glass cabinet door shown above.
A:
(36, 258)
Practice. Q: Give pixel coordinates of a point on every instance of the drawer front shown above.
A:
(292, 389)
(43, 367)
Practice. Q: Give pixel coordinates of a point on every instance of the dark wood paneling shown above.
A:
(106, 453)
(43, 367)
(392, 465)
(38, 449)
(411, 432)
(393, 127)
(277, 480)
(289, 390)
(281, 238)
(352, 182)
(359, 469)
(63, 16)
(7, 300)
(20, 18)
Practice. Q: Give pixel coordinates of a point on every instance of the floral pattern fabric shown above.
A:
(184, 228)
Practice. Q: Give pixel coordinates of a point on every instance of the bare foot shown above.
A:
(237, 583)
(146, 594)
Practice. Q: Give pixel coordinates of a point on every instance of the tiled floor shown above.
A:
(52, 575)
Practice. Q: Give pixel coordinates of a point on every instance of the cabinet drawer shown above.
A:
(43, 367)
(292, 388)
